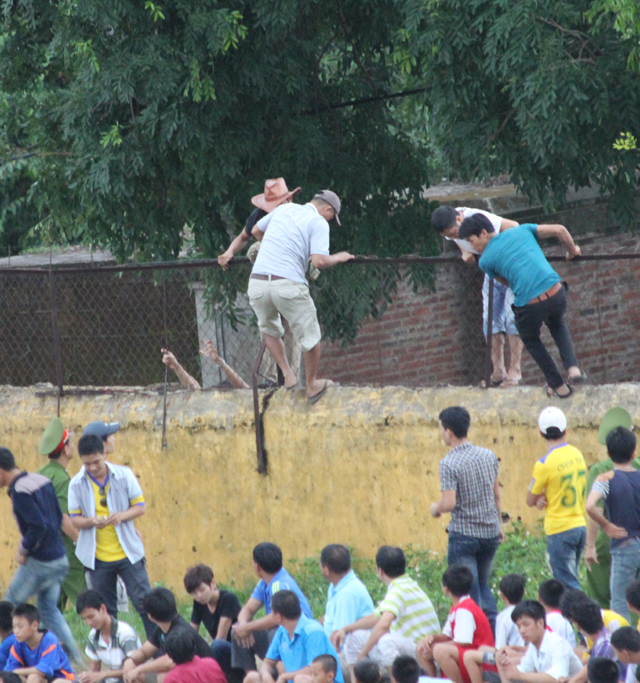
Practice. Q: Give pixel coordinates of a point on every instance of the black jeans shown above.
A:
(104, 579)
(529, 319)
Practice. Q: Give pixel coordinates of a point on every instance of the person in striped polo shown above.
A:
(404, 617)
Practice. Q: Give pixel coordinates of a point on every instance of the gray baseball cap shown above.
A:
(101, 429)
(332, 200)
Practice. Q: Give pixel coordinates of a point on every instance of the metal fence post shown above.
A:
(261, 453)
(57, 348)
(488, 369)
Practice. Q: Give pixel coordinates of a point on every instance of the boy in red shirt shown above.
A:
(189, 668)
(467, 628)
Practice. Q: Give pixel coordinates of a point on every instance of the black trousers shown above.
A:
(529, 320)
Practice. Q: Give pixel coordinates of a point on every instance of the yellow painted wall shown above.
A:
(360, 467)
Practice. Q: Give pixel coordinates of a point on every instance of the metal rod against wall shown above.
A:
(489, 335)
(166, 367)
(57, 347)
(261, 454)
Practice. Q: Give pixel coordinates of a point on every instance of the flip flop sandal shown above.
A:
(316, 397)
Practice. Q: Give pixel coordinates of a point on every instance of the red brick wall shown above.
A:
(436, 337)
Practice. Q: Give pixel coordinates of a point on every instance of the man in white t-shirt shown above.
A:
(291, 236)
(446, 221)
(547, 653)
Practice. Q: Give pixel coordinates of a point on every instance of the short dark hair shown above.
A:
(160, 604)
(405, 669)
(391, 560)
(512, 587)
(602, 670)
(7, 461)
(569, 599)
(197, 575)
(550, 593)
(443, 217)
(458, 578)
(336, 558)
(632, 594)
(90, 444)
(9, 677)
(587, 615)
(89, 599)
(367, 671)
(474, 225)
(180, 645)
(621, 445)
(328, 663)
(6, 611)
(553, 433)
(626, 638)
(457, 419)
(528, 608)
(286, 604)
(29, 612)
(268, 557)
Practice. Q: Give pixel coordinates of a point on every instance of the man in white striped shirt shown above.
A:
(404, 616)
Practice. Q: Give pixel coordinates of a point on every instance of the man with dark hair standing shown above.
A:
(515, 258)
(251, 636)
(56, 444)
(347, 598)
(559, 480)
(41, 555)
(104, 499)
(471, 493)
(620, 490)
(404, 616)
(292, 236)
(297, 642)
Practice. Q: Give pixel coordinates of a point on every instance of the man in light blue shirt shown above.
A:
(251, 637)
(515, 258)
(347, 598)
(291, 236)
(297, 642)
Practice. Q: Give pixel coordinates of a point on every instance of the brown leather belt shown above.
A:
(261, 276)
(545, 295)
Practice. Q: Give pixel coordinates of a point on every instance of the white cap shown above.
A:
(552, 417)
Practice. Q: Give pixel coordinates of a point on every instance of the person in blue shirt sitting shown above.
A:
(515, 259)
(298, 641)
(36, 656)
(6, 631)
(250, 636)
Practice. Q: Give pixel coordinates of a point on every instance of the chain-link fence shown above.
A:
(105, 325)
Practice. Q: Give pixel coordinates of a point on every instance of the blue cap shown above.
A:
(101, 429)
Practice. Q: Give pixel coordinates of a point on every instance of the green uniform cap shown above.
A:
(52, 437)
(616, 417)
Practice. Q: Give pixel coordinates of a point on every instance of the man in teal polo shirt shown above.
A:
(515, 258)
(297, 642)
(347, 598)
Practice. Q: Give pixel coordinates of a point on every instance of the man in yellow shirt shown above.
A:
(559, 482)
(104, 499)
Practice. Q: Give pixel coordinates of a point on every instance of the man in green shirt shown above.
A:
(597, 552)
(56, 444)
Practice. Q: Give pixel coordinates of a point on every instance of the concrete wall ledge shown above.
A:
(359, 467)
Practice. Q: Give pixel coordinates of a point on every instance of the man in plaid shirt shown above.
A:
(471, 493)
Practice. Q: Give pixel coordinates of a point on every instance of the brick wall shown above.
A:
(436, 337)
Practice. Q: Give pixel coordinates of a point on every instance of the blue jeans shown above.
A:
(43, 579)
(625, 565)
(565, 550)
(477, 554)
(104, 579)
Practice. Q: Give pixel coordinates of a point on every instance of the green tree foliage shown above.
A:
(531, 88)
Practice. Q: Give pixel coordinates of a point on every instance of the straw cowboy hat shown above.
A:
(275, 193)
